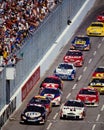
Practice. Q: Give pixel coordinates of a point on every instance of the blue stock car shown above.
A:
(54, 94)
(66, 71)
(81, 43)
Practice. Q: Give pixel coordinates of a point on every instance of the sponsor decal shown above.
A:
(30, 83)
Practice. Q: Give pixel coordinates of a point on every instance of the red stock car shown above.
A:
(51, 82)
(100, 17)
(75, 57)
(99, 72)
(89, 96)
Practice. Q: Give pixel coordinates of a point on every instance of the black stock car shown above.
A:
(35, 113)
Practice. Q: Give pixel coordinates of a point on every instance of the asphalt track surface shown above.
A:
(94, 119)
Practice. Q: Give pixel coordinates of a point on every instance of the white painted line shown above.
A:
(90, 61)
(98, 116)
(85, 68)
(102, 108)
(94, 53)
(74, 86)
(55, 116)
(93, 127)
(99, 45)
(80, 77)
(49, 126)
(68, 95)
(61, 105)
(103, 39)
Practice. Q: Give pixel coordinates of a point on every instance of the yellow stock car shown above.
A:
(96, 29)
(98, 84)
(99, 72)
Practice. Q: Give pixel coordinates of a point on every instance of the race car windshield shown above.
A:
(98, 25)
(65, 66)
(98, 86)
(39, 101)
(81, 38)
(97, 80)
(69, 53)
(74, 104)
(88, 92)
(52, 80)
(35, 109)
(50, 91)
(99, 70)
(101, 14)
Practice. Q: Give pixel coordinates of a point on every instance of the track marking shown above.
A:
(102, 108)
(80, 77)
(94, 53)
(98, 116)
(99, 45)
(55, 116)
(68, 95)
(103, 39)
(85, 68)
(61, 105)
(50, 124)
(93, 127)
(74, 86)
(90, 61)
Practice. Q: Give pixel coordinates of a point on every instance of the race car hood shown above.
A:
(52, 96)
(73, 58)
(86, 98)
(69, 109)
(96, 84)
(31, 114)
(96, 74)
(64, 71)
(50, 85)
(80, 43)
(95, 29)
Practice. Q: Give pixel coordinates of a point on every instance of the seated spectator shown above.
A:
(17, 19)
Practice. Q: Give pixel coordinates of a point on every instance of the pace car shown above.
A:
(96, 29)
(66, 71)
(89, 96)
(99, 72)
(81, 42)
(74, 56)
(73, 109)
(54, 94)
(51, 82)
(98, 84)
(42, 100)
(36, 114)
(100, 17)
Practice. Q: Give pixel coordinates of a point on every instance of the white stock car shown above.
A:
(65, 71)
(73, 109)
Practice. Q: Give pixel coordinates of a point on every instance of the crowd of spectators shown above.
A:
(18, 18)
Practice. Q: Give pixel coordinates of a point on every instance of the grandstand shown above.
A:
(18, 19)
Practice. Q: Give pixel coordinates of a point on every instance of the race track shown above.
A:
(95, 116)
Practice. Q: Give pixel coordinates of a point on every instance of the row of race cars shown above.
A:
(51, 88)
